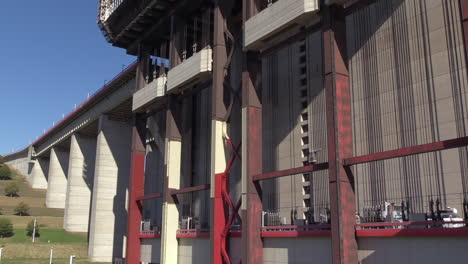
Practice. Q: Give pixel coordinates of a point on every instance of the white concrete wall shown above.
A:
(150, 250)
(193, 69)
(149, 94)
(276, 18)
(57, 180)
(194, 250)
(39, 173)
(297, 250)
(408, 250)
(108, 223)
(409, 87)
(80, 181)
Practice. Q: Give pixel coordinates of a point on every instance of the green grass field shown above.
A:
(46, 236)
(19, 249)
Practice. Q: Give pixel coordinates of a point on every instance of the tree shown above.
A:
(11, 190)
(5, 172)
(6, 228)
(22, 209)
(30, 229)
(1, 159)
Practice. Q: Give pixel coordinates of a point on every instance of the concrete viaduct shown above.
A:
(270, 131)
(84, 163)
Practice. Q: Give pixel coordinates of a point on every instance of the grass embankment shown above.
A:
(19, 249)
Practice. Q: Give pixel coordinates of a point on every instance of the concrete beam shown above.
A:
(39, 173)
(80, 182)
(109, 213)
(57, 180)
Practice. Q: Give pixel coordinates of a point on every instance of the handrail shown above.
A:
(295, 227)
(296, 231)
(107, 7)
(409, 224)
(110, 84)
(193, 233)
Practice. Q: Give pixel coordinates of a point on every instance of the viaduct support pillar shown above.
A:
(339, 133)
(137, 188)
(80, 183)
(57, 180)
(39, 173)
(170, 221)
(108, 223)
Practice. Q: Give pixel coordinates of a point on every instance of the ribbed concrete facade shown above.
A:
(193, 251)
(295, 127)
(109, 214)
(409, 87)
(80, 183)
(57, 179)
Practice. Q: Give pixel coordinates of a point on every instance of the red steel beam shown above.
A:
(149, 196)
(303, 233)
(403, 152)
(136, 187)
(339, 137)
(293, 171)
(189, 189)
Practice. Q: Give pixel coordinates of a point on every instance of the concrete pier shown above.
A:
(57, 180)
(39, 173)
(109, 202)
(80, 182)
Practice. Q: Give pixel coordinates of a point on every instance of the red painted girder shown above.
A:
(339, 138)
(415, 232)
(189, 189)
(149, 196)
(323, 233)
(134, 208)
(193, 233)
(403, 152)
(424, 224)
(293, 171)
(295, 227)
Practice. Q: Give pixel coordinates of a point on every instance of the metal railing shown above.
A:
(107, 7)
(193, 233)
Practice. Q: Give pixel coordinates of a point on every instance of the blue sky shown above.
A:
(52, 54)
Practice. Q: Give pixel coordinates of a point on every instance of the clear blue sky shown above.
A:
(52, 54)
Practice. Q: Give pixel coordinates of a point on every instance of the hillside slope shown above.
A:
(19, 249)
